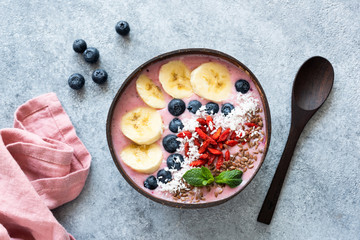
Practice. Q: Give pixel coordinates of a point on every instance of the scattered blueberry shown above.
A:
(174, 161)
(242, 86)
(91, 55)
(227, 108)
(76, 81)
(212, 108)
(151, 183)
(170, 143)
(79, 45)
(176, 107)
(99, 76)
(164, 176)
(122, 28)
(193, 106)
(175, 124)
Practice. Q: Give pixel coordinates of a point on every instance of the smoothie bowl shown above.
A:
(189, 128)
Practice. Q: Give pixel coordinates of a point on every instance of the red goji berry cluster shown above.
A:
(211, 146)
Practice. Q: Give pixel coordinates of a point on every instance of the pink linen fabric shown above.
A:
(43, 164)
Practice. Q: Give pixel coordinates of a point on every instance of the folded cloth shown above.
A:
(43, 164)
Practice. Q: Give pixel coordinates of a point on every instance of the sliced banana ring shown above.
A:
(211, 81)
(174, 77)
(150, 93)
(142, 125)
(142, 158)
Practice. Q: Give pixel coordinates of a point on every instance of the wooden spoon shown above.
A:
(312, 86)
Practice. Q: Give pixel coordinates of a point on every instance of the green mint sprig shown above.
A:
(231, 178)
(199, 177)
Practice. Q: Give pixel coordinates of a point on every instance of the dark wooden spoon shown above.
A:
(312, 86)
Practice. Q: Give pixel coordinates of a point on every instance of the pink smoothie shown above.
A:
(130, 100)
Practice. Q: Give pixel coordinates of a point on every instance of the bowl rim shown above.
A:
(171, 54)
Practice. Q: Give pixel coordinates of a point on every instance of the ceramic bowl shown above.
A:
(162, 57)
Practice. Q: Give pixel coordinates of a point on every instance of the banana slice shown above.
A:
(142, 125)
(149, 92)
(142, 158)
(211, 81)
(174, 77)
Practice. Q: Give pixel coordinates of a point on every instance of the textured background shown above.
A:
(321, 196)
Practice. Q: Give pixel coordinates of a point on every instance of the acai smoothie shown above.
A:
(190, 129)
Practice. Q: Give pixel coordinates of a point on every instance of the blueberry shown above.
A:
(193, 106)
(99, 76)
(164, 176)
(170, 143)
(212, 108)
(91, 55)
(174, 161)
(76, 81)
(175, 124)
(122, 28)
(227, 108)
(176, 107)
(79, 45)
(242, 86)
(151, 183)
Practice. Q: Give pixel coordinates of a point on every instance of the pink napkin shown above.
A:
(43, 164)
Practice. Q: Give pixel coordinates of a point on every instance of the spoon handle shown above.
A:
(272, 196)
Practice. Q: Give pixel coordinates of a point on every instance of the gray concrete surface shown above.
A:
(321, 196)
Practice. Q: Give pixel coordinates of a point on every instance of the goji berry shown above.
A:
(204, 146)
(210, 122)
(220, 161)
(227, 155)
(203, 128)
(184, 134)
(186, 148)
(231, 143)
(201, 121)
(216, 135)
(221, 146)
(198, 163)
(214, 151)
(224, 135)
(204, 156)
(201, 133)
(233, 135)
(212, 141)
(251, 124)
(196, 142)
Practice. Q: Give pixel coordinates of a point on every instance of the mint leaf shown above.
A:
(207, 175)
(231, 178)
(198, 177)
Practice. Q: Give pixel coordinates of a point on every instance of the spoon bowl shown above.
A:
(313, 83)
(312, 86)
